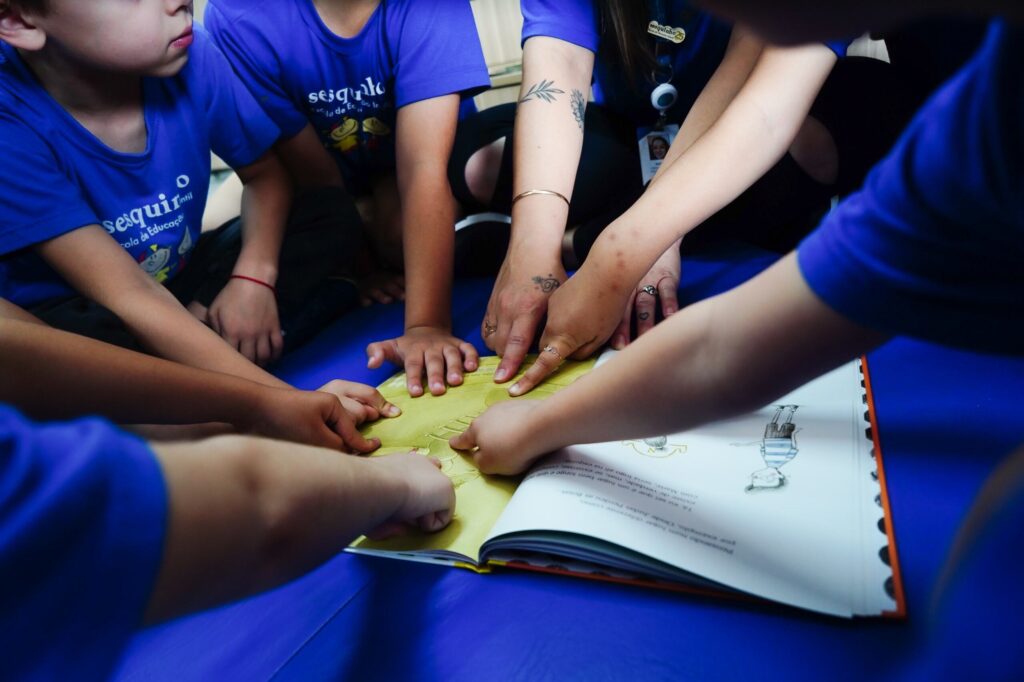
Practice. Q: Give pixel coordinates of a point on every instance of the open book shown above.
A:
(786, 504)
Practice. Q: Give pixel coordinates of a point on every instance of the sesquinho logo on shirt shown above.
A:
(348, 97)
(145, 217)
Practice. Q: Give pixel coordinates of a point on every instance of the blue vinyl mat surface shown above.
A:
(946, 419)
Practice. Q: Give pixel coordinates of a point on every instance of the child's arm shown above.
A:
(548, 145)
(425, 133)
(750, 136)
(247, 514)
(9, 311)
(307, 162)
(245, 312)
(721, 357)
(54, 375)
(99, 269)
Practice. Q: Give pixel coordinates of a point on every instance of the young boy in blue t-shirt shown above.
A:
(367, 96)
(108, 113)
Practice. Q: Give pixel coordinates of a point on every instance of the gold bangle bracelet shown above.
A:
(539, 192)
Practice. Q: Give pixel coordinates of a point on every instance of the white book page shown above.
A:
(751, 503)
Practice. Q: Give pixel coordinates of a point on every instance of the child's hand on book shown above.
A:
(503, 439)
(309, 417)
(428, 502)
(429, 349)
(364, 403)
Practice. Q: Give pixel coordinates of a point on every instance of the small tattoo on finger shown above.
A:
(547, 284)
(644, 316)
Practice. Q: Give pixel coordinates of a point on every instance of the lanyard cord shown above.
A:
(663, 73)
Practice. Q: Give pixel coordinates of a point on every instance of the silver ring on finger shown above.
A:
(649, 289)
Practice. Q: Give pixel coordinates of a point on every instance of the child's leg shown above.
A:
(383, 229)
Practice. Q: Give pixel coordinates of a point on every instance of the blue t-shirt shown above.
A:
(933, 245)
(56, 176)
(350, 89)
(693, 61)
(83, 514)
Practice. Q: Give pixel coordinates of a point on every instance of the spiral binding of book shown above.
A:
(879, 508)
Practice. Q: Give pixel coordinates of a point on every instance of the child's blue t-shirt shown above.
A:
(933, 245)
(349, 89)
(693, 61)
(56, 176)
(83, 515)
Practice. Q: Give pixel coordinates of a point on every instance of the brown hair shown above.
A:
(624, 27)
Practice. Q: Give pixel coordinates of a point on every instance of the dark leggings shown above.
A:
(862, 105)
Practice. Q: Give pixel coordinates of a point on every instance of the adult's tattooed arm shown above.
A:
(548, 144)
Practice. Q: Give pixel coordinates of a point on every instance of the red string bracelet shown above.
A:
(256, 281)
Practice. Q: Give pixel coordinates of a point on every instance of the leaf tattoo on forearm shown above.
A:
(544, 90)
(547, 284)
(579, 107)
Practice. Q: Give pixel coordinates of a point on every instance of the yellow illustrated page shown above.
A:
(425, 426)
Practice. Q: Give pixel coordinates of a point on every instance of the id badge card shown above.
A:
(653, 146)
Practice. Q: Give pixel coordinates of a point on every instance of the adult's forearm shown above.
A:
(51, 374)
(548, 139)
(719, 358)
(750, 137)
(249, 514)
(741, 57)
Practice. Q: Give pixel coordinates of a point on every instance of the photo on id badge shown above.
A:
(653, 146)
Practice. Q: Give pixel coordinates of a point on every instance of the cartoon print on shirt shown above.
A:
(345, 135)
(375, 129)
(155, 264)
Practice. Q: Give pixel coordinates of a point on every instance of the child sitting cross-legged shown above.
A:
(108, 113)
(367, 94)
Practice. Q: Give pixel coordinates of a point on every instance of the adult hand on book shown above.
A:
(657, 289)
(429, 499)
(517, 305)
(504, 439)
(582, 315)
